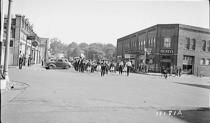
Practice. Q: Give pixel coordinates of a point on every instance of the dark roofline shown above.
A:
(179, 25)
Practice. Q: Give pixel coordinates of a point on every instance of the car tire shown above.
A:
(67, 67)
(51, 67)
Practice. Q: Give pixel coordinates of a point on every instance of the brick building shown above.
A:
(21, 30)
(168, 45)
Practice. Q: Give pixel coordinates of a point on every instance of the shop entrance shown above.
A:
(166, 65)
(166, 62)
(187, 66)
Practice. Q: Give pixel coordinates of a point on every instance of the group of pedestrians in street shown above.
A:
(102, 66)
(23, 61)
(177, 71)
(125, 67)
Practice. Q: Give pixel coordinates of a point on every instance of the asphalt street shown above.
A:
(67, 96)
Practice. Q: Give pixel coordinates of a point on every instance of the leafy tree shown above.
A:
(76, 52)
(70, 49)
(83, 46)
(56, 46)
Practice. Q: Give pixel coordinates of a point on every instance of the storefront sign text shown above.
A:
(167, 51)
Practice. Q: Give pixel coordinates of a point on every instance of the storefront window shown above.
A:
(167, 42)
(188, 64)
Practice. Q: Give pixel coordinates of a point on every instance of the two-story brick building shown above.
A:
(20, 42)
(168, 45)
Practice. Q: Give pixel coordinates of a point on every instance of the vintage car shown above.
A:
(57, 63)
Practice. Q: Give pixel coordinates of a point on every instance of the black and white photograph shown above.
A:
(105, 61)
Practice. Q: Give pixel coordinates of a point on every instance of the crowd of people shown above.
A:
(102, 66)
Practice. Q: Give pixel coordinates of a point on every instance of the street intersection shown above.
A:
(67, 96)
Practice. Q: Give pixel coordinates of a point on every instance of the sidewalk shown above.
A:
(159, 74)
(38, 67)
(17, 85)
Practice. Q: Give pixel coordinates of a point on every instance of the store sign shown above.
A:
(127, 55)
(42, 45)
(30, 37)
(167, 51)
(34, 43)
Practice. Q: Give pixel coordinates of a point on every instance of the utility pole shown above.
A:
(6, 58)
(1, 38)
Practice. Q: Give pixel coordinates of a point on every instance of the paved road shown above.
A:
(66, 96)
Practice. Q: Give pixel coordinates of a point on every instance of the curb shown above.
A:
(14, 85)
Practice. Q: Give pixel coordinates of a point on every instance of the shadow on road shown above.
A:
(195, 85)
(198, 115)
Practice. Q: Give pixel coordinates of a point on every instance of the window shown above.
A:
(153, 42)
(187, 46)
(149, 42)
(142, 45)
(208, 47)
(60, 60)
(202, 61)
(207, 61)
(167, 42)
(193, 44)
(10, 44)
(139, 45)
(203, 45)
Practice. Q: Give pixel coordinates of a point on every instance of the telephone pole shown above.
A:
(6, 58)
(1, 37)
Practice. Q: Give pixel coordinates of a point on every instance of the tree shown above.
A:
(56, 46)
(83, 46)
(76, 52)
(70, 49)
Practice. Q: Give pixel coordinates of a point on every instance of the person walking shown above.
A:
(98, 68)
(29, 60)
(128, 65)
(103, 67)
(171, 70)
(112, 67)
(24, 60)
(121, 64)
(89, 66)
(20, 61)
(179, 71)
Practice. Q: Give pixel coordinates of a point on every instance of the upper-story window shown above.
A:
(202, 61)
(203, 45)
(154, 42)
(208, 47)
(149, 42)
(193, 44)
(207, 61)
(139, 45)
(167, 42)
(187, 45)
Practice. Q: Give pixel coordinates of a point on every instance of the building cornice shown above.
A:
(195, 30)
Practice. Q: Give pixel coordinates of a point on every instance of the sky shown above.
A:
(106, 21)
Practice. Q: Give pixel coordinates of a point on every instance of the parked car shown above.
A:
(66, 60)
(57, 63)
